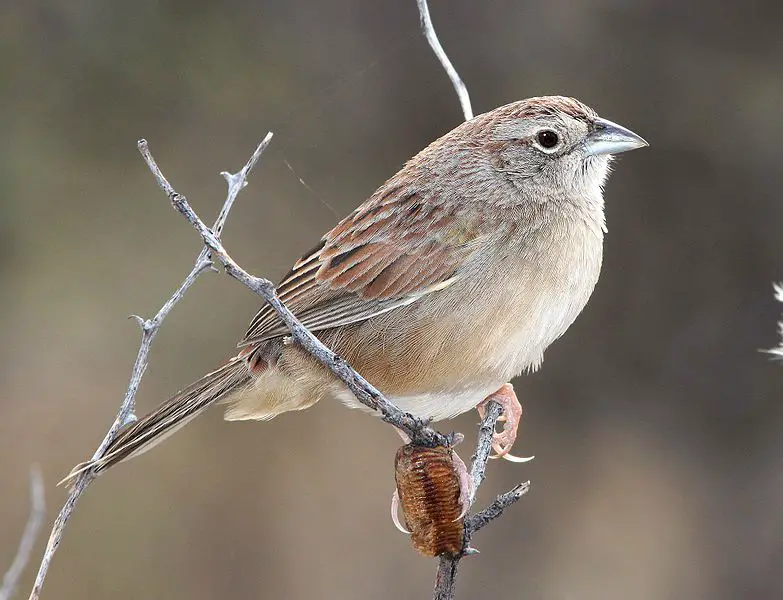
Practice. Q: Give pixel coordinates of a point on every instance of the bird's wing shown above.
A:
(397, 247)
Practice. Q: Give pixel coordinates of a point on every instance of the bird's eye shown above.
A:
(548, 139)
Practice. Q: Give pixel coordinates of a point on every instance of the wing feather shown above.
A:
(397, 247)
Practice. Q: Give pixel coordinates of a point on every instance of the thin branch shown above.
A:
(429, 32)
(445, 579)
(478, 468)
(149, 329)
(493, 511)
(364, 391)
(34, 522)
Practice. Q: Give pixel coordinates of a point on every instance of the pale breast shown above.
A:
(444, 354)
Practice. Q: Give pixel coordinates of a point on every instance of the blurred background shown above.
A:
(656, 422)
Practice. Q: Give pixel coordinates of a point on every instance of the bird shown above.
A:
(446, 283)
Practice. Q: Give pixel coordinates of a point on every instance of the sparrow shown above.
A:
(450, 280)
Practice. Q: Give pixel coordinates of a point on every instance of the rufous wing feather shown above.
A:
(394, 249)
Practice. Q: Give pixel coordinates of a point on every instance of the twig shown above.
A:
(149, 329)
(484, 444)
(445, 579)
(429, 32)
(494, 510)
(364, 391)
(34, 522)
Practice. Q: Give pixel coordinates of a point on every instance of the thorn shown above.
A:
(470, 551)
(131, 418)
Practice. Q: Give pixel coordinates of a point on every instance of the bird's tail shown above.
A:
(176, 412)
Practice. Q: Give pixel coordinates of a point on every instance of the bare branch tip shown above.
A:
(143, 323)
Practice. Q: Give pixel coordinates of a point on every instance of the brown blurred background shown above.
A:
(656, 422)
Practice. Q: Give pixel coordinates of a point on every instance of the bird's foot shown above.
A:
(503, 441)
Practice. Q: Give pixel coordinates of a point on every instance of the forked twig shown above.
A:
(364, 391)
(149, 329)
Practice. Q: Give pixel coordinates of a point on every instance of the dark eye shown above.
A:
(548, 138)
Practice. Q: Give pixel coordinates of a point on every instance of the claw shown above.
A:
(512, 458)
(395, 512)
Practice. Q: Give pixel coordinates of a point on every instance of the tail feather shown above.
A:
(176, 412)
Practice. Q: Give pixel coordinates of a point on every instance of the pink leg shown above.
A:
(512, 414)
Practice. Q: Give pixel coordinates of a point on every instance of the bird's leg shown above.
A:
(512, 414)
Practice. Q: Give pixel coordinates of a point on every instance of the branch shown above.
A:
(484, 444)
(34, 522)
(429, 32)
(364, 391)
(149, 329)
(446, 577)
(445, 580)
(494, 510)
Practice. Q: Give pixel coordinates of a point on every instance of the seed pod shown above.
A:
(429, 493)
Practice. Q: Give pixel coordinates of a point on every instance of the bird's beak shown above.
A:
(610, 138)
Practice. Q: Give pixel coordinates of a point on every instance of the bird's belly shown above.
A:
(438, 372)
(437, 406)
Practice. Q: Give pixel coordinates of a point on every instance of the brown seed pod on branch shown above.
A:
(428, 488)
